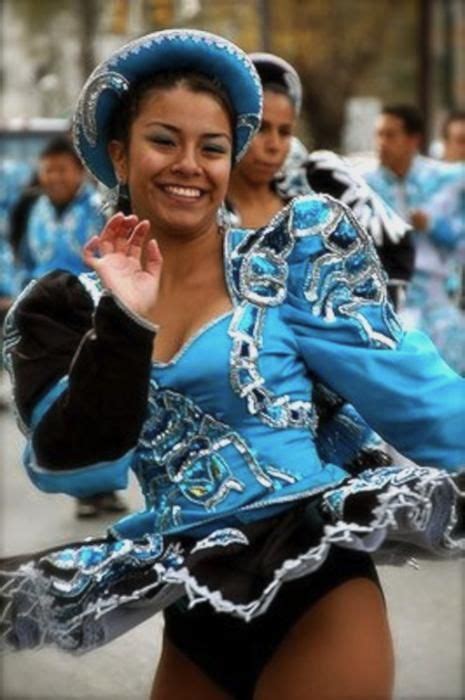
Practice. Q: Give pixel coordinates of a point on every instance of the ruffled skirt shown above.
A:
(81, 596)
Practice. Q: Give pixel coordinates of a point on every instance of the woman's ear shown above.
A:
(118, 155)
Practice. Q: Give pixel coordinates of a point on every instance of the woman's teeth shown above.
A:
(188, 192)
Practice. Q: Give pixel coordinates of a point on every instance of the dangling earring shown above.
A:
(109, 200)
(223, 218)
(116, 199)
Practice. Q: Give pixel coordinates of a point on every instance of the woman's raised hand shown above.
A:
(116, 256)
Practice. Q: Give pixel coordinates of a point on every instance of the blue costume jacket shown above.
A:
(225, 431)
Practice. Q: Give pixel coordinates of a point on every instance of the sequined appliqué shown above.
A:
(181, 458)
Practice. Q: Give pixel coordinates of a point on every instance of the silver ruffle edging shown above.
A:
(415, 511)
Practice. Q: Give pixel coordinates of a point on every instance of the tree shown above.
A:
(333, 45)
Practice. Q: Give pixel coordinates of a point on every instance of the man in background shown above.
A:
(413, 186)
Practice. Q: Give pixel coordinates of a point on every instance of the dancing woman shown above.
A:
(189, 356)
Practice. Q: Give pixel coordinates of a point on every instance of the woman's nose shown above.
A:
(273, 142)
(187, 163)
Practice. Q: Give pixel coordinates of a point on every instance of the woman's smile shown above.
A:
(183, 193)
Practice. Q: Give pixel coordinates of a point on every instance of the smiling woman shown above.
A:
(190, 355)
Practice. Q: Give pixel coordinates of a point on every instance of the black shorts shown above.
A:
(233, 652)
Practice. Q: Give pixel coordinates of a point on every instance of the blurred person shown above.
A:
(267, 178)
(53, 220)
(278, 167)
(415, 187)
(63, 211)
(453, 137)
(451, 204)
(12, 177)
(20, 212)
(190, 356)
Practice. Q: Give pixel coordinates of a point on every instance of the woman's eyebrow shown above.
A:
(220, 134)
(177, 130)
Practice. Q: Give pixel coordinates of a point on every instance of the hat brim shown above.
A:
(169, 50)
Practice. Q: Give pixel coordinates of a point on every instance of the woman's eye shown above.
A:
(162, 140)
(214, 148)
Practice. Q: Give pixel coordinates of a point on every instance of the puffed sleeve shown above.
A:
(350, 338)
(328, 173)
(80, 371)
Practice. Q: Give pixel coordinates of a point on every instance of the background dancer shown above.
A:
(278, 167)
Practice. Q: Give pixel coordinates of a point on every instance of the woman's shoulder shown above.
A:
(313, 228)
(315, 254)
(60, 295)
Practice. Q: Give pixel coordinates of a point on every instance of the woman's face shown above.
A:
(178, 160)
(270, 146)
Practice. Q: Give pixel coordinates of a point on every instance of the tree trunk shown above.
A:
(87, 16)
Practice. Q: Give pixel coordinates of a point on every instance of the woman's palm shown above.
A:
(116, 256)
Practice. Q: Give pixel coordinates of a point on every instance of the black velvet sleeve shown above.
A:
(55, 331)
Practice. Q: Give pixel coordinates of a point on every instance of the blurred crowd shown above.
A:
(50, 209)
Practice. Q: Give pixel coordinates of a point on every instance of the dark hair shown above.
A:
(455, 116)
(123, 117)
(278, 89)
(272, 78)
(58, 146)
(411, 117)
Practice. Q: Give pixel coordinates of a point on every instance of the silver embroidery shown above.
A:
(182, 457)
(258, 270)
(110, 80)
(346, 276)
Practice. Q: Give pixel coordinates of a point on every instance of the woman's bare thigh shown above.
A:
(341, 649)
(179, 678)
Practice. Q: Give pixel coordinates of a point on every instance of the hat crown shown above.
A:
(276, 69)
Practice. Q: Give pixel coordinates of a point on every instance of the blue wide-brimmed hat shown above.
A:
(274, 69)
(171, 50)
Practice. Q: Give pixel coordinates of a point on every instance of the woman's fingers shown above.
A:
(137, 238)
(153, 259)
(117, 230)
(90, 251)
(115, 234)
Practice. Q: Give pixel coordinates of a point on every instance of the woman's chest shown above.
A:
(186, 317)
(242, 363)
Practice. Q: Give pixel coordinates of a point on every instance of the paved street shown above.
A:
(427, 610)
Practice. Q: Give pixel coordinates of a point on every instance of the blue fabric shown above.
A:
(230, 424)
(84, 481)
(13, 177)
(79, 482)
(54, 241)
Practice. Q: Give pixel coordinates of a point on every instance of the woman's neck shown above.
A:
(244, 191)
(255, 202)
(184, 257)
